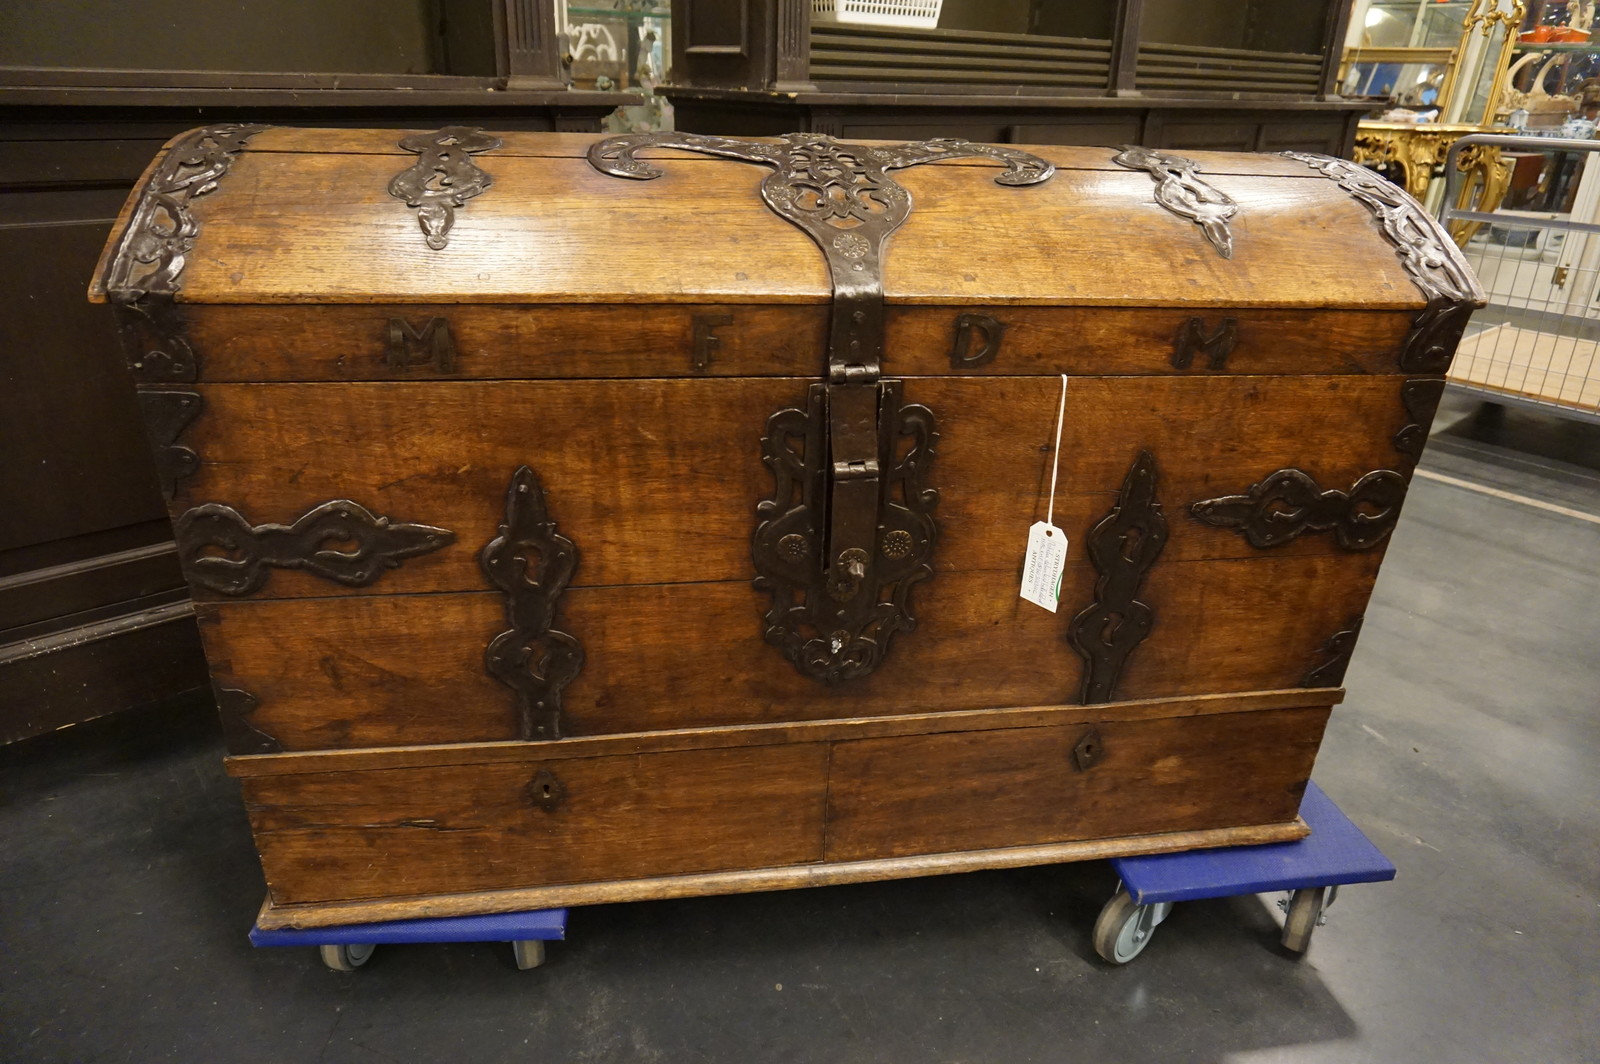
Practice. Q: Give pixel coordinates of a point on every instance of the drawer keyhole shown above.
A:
(1088, 751)
(545, 790)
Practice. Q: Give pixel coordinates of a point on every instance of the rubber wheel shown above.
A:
(1120, 935)
(1305, 909)
(528, 952)
(346, 957)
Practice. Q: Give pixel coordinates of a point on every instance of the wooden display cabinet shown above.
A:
(1221, 74)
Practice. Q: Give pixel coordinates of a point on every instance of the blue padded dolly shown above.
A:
(347, 948)
(1312, 869)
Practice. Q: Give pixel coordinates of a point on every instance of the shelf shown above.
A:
(1558, 46)
(630, 15)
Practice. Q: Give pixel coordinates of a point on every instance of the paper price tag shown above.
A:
(1041, 572)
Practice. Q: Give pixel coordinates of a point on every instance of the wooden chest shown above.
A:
(575, 521)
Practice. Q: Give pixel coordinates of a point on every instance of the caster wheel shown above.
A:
(529, 953)
(1125, 927)
(346, 957)
(1305, 912)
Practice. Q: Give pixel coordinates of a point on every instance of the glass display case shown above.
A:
(620, 45)
(1241, 75)
(1430, 60)
(1554, 76)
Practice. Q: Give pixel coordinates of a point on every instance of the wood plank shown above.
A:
(344, 836)
(863, 32)
(104, 667)
(1245, 68)
(937, 51)
(1208, 83)
(296, 140)
(657, 481)
(760, 879)
(1203, 77)
(403, 670)
(957, 65)
(771, 734)
(896, 797)
(310, 227)
(351, 343)
(1084, 342)
(823, 71)
(1297, 58)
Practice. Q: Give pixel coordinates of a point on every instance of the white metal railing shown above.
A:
(1537, 343)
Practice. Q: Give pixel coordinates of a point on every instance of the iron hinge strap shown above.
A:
(854, 482)
(849, 528)
(854, 430)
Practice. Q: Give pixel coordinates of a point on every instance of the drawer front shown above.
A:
(939, 793)
(457, 828)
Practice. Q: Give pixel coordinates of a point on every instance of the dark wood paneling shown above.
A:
(851, 53)
(1325, 127)
(89, 580)
(78, 674)
(72, 438)
(378, 36)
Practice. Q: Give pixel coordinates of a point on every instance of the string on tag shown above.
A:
(1055, 457)
(1046, 559)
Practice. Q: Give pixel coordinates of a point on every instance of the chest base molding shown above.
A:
(833, 873)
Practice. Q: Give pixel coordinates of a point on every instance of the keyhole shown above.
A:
(545, 790)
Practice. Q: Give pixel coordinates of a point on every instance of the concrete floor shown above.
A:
(1467, 750)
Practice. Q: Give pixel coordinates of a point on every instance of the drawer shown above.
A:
(918, 794)
(469, 827)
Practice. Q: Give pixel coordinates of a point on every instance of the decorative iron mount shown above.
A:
(443, 178)
(833, 531)
(1427, 254)
(150, 256)
(1123, 545)
(339, 540)
(1180, 190)
(1288, 503)
(532, 563)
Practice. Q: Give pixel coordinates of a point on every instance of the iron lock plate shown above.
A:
(849, 527)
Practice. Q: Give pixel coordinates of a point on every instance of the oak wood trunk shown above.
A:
(575, 520)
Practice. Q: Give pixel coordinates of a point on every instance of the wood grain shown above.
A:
(657, 481)
(402, 670)
(895, 797)
(822, 874)
(349, 343)
(718, 738)
(293, 228)
(341, 836)
(345, 836)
